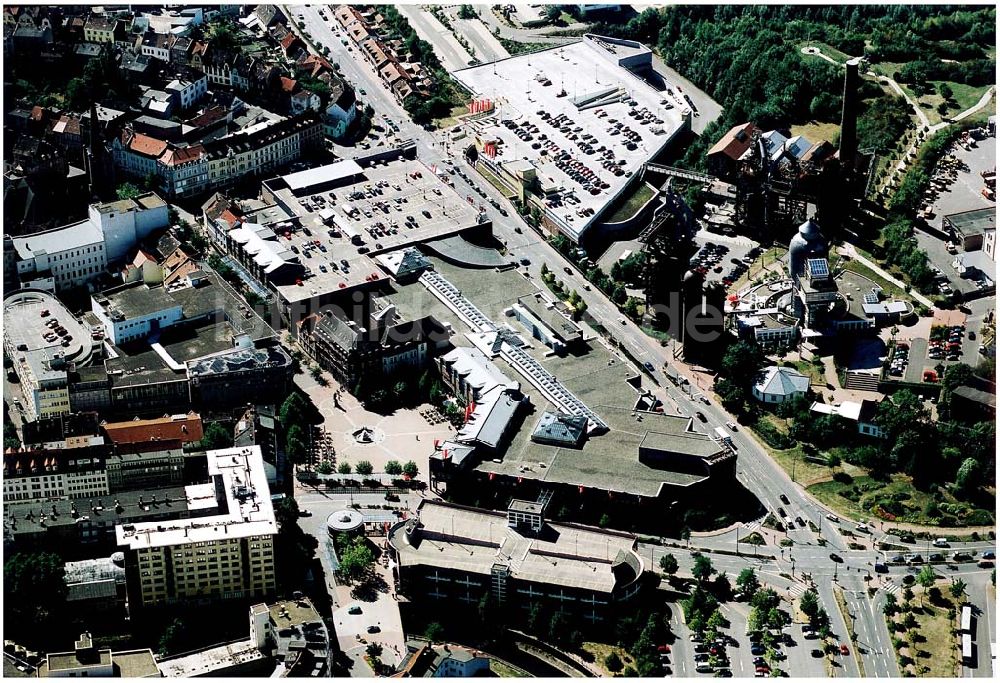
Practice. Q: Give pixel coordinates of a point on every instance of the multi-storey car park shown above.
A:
(572, 126)
(322, 234)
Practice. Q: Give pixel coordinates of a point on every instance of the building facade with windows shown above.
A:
(227, 554)
(452, 554)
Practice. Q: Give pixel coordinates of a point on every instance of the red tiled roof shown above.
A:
(288, 84)
(734, 143)
(288, 40)
(187, 428)
(144, 144)
(183, 154)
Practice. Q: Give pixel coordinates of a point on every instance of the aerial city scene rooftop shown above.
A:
(512, 340)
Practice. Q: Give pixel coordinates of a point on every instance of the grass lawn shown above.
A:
(452, 118)
(964, 97)
(889, 288)
(817, 130)
(502, 670)
(793, 459)
(831, 52)
(768, 258)
(643, 193)
(602, 650)
(813, 372)
(935, 654)
(894, 500)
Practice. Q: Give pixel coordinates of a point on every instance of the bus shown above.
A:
(967, 649)
(966, 625)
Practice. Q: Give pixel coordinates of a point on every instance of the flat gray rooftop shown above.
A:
(387, 196)
(585, 72)
(595, 376)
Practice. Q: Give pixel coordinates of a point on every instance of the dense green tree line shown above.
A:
(747, 59)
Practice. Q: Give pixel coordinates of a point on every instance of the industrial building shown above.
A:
(572, 127)
(455, 555)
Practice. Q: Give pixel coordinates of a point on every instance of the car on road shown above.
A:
(989, 555)
(732, 426)
(836, 558)
(701, 416)
(916, 559)
(757, 650)
(373, 629)
(817, 653)
(801, 522)
(567, 270)
(898, 559)
(881, 568)
(525, 262)
(663, 648)
(985, 564)
(648, 366)
(844, 650)
(940, 542)
(305, 513)
(704, 668)
(832, 517)
(863, 528)
(354, 609)
(784, 499)
(362, 91)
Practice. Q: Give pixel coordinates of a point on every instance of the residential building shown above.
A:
(304, 101)
(229, 554)
(103, 29)
(517, 558)
(778, 384)
(341, 111)
(155, 45)
(430, 660)
(43, 474)
(87, 660)
(861, 413)
(185, 428)
(189, 89)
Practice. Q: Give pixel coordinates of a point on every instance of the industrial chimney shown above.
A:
(849, 115)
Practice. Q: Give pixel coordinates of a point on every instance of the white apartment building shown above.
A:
(70, 256)
(134, 311)
(189, 91)
(226, 555)
(20, 483)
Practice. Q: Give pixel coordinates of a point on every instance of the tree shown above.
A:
(325, 467)
(809, 604)
(393, 467)
(613, 662)
(344, 468)
(35, 590)
(374, 650)
(410, 469)
(356, 558)
(215, 437)
(293, 411)
(295, 444)
(434, 632)
(968, 479)
(552, 12)
(742, 363)
(128, 191)
(632, 307)
(957, 588)
(946, 92)
(702, 569)
(747, 581)
(364, 468)
(466, 12)
(174, 638)
(926, 577)
(668, 563)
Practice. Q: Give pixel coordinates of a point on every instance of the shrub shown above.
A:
(842, 478)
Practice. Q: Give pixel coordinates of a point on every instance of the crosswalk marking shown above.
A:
(892, 588)
(796, 590)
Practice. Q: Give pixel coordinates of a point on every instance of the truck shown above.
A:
(725, 438)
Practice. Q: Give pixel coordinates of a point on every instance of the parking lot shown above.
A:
(723, 259)
(945, 345)
(959, 177)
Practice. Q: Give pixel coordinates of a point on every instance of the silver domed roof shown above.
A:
(808, 242)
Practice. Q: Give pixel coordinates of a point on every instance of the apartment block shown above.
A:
(226, 554)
